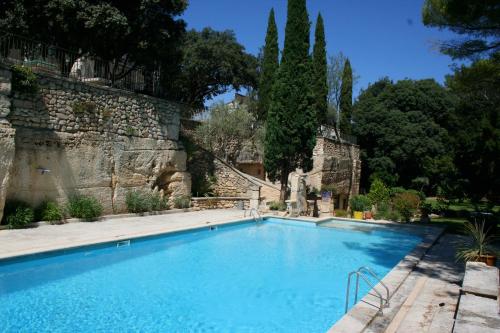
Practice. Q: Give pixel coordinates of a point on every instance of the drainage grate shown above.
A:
(123, 243)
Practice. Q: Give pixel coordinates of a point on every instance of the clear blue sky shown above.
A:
(381, 38)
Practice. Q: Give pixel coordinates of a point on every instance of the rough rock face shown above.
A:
(73, 138)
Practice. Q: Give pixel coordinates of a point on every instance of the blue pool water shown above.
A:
(273, 276)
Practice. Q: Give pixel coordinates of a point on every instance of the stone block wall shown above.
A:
(219, 203)
(91, 140)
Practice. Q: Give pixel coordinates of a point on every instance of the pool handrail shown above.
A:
(361, 272)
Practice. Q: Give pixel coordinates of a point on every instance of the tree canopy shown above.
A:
(269, 67)
(400, 129)
(291, 121)
(346, 99)
(212, 63)
(320, 69)
(478, 21)
(139, 31)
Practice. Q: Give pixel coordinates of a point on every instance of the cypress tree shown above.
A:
(291, 120)
(346, 99)
(270, 65)
(320, 71)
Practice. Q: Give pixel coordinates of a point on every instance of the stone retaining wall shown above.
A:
(75, 138)
(219, 202)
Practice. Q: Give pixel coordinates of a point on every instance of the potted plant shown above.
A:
(477, 247)
(359, 204)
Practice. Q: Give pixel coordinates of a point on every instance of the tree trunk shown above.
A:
(284, 185)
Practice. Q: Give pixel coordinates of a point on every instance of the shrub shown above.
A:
(360, 203)
(329, 188)
(158, 202)
(84, 207)
(83, 107)
(341, 213)
(378, 192)
(49, 211)
(393, 216)
(18, 214)
(182, 202)
(406, 204)
(137, 202)
(24, 80)
(383, 211)
(277, 205)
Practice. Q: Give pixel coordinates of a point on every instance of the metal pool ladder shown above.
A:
(363, 272)
(252, 212)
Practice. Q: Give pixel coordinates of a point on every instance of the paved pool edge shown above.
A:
(359, 317)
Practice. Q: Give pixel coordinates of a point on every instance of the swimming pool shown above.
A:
(274, 276)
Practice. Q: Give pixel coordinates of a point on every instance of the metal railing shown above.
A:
(53, 60)
(252, 212)
(362, 272)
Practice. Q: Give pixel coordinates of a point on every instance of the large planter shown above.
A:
(488, 259)
(368, 215)
(358, 215)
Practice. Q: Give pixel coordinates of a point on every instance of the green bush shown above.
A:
(277, 205)
(393, 216)
(80, 107)
(49, 211)
(383, 211)
(379, 193)
(360, 203)
(84, 207)
(182, 202)
(341, 213)
(24, 80)
(138, 202)
(18, 214)
(406, 204)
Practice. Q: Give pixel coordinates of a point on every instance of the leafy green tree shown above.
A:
(401, 130)
(134, 32)
(270, 65)
(320, 72)
(212, 63)
(478, 20)
(379, 192)
(346, 99)
(226, 131)
(477, 140)
(291, 121)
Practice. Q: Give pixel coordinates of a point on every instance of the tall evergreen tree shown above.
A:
(291, 120)
(320, 71)
(270, 65)
(346, 99)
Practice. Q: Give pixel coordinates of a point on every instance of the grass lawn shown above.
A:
(453, 225)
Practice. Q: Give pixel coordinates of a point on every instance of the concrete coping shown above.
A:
(365, 311)
(219, 198)
(480, 279)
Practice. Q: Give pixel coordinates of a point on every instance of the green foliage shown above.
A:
(18, 214)
(320, 72)
(130, 131)
(277, 205)
(394, 215)
(139, 202)
(212, 63)
(346, 99)
(143, 32)
(84, 207)
(383, 211)
(291, 121)
(360, 203)
(226, 131)
(406, 204)
(478, 244)
(402, 131)
(24, 80)
(341, 213)
(329, 188)
(270, 65)
(49, 211)
(477, 144)
(80, 107)
(379, 192)
(182, 202)
(476, 20)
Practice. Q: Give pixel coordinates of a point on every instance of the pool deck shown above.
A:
(419, 284)
(47, 237)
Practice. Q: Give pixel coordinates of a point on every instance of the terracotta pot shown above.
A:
(358, 215)
(488, 259)
(368, 215)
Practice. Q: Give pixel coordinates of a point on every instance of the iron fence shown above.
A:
(49, 59)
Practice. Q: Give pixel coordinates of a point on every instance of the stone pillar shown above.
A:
(7, 133)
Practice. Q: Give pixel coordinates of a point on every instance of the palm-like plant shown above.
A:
(477, 245)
